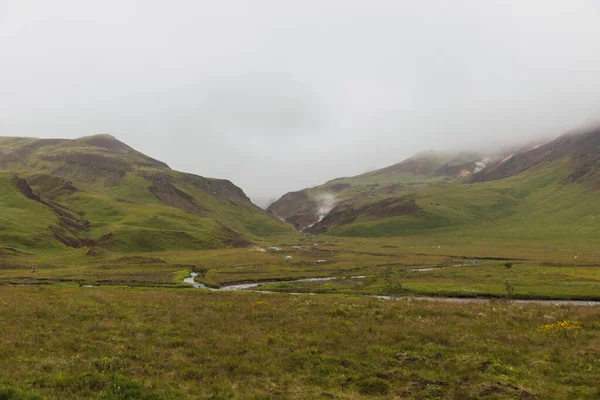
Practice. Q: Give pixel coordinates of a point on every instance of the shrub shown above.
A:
(564, 328)
(200, 270)
(510, 289)
(15, 394)
(392, 286)
(372, 386)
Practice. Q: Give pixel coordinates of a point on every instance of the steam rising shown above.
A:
(481, 164)
(327, 202)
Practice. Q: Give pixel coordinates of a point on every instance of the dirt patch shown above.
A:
(511, 391)
(300, 221)
(63, 236)
(456, 171)
(168, 194)
(122, 200)
(95, 252)
(21, 155)
(220, 188)
(346, 214)
(140, 260)
(338, 187)
(233, 238)
(390, 189)
(70, 224)
(109, 142)
(51, 186)
(67, 217)
(293, 203)
(418, 165)
(105, 142)
(10, 251)
(91, 167)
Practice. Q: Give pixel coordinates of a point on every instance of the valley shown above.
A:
(124, 279)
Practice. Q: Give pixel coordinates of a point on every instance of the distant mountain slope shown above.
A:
(98, 192)
(306, 207)
(550, 191)
(581, 149)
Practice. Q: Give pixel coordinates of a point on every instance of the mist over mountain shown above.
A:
(310, 199)
(278, 96)
(434, 190)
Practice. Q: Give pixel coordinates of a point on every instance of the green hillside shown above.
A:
(550, 192)
(536, 204)
(99, 193)
(306, 207)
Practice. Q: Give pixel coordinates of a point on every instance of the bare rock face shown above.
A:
(168, 194)
(293, 204)
(221, 188)
(456, 171)
(347, 213)
(303, 221)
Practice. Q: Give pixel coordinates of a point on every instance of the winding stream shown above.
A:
(243, 286)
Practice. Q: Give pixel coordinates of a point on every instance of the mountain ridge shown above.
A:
(432, 191)
(301, 208)
(99, 192)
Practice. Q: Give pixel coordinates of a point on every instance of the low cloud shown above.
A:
(278, 96)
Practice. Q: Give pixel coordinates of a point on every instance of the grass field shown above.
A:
(144, 343)
(421, 265)
(94, 305)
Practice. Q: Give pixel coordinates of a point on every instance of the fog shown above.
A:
(279, 95)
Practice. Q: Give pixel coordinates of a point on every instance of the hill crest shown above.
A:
(97, 191)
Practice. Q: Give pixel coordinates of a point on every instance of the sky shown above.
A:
(278, 95)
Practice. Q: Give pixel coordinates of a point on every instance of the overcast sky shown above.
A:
(278, 95)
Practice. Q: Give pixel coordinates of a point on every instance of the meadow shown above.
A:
(157, 343)
(110, 325)
(421, 265)
(96, 240)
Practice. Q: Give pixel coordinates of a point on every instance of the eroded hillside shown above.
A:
(99, 192)
(537, 191)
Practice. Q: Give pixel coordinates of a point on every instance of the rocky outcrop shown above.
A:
(168, 194)
(347, 213)
(220, 188)
(293, 203)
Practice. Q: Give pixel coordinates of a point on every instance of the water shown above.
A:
(434, 268)
(580, 303)
(244, 286)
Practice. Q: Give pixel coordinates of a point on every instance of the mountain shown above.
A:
(579, 148)
(100, 193)
(305, 208)
(549, 191)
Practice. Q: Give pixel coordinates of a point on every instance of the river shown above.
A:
(244, 286)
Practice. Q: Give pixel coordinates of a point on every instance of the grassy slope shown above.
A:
(22, 221)
(400, 179)
(123, 343)
(534, 205)
(114, 197)
(396, 178)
